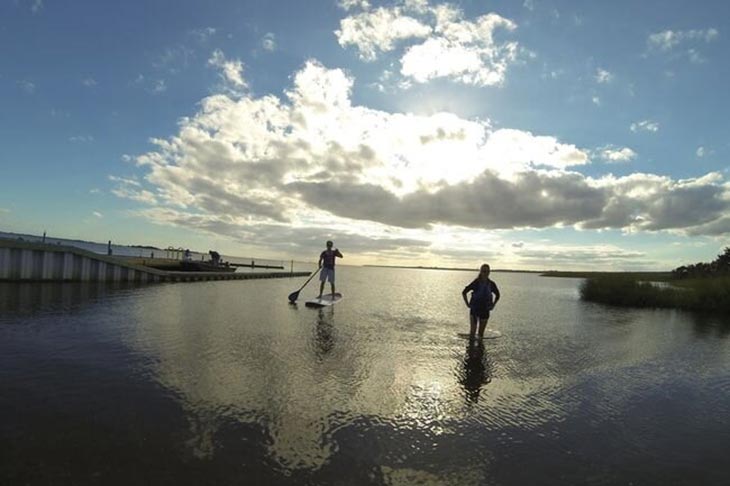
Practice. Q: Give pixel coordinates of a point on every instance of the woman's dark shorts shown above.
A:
(480, 311)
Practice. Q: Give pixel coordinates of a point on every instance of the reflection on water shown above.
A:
(476, 370)
(324, 332)
(215, 381)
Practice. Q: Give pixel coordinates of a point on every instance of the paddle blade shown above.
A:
(293, 296)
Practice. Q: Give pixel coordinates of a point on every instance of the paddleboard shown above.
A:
(325, 300)
(488, 334)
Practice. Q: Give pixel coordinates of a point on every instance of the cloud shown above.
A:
(603, 77)
(131, 189)
(670, 39)
(231, 70)
(314, 159)
(353, 4)
(154, 86)
(27, 86)
(89, 82)
(645, 126)
(593, 255)
(378, 31)
(159, 86)
(269, 42)
(97, 214)
(283, 237)
(613, 154)
(443, 44)
(36, 6)
(81, 139)
(596, 100)
(674, 42)
(174, 59)
(203, 34)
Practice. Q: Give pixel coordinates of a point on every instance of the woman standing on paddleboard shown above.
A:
(481, 301)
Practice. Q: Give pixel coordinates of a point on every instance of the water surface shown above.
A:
(225, 383)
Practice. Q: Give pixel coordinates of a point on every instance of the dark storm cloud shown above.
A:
(488, 202)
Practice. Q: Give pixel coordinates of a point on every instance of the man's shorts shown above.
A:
(327, 274)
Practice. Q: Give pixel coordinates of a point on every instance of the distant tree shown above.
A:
(723, 261)
(718, 267)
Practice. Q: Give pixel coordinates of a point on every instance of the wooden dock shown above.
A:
(22, 261)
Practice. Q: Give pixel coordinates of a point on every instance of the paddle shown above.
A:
(295, 295)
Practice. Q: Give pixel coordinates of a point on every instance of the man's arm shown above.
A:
(495, 291)
(337, 253)
(319, 263)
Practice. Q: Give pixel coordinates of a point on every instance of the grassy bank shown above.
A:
(707, 294)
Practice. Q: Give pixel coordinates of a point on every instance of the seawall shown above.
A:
(22, 261)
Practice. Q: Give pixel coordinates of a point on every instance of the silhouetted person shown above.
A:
(476, 371)
(481, 302)
(327, 264)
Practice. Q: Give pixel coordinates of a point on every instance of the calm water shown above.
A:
(225, 383)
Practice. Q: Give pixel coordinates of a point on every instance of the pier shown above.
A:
(22, 261)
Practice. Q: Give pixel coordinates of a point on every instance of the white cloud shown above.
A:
(669, 39)
(36, 6)
(681, 43)
(89, 82)
(378, 31)
(127, 188)
(603, 77)
(231, 70)
(154, 86)
(352, 4)
(159, 86)
(596, 100)
(174, 59)
(446, 44)
(314, 159)
(616, 155)
(203, 34)
(81, 139)
(700, 151)
(97, 214)
(27, 86)
(269, 42)
(529, 5)
(645, 126)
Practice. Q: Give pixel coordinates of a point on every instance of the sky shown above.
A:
(530, 134)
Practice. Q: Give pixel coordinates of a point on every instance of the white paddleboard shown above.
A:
(488, 334)
(325, 300)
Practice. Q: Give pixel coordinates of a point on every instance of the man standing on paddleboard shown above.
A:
(481, 301)
(327, 264)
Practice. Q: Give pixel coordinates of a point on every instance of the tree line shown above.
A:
(719, 267)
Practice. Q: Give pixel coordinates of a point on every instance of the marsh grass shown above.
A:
(704, 294)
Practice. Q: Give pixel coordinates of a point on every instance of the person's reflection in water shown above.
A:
(476, 370)
(324, 337)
